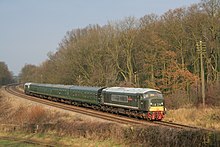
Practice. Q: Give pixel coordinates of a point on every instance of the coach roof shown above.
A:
(51, 85)
(84, 88)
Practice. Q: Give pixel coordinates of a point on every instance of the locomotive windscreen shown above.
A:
(156, 102)
(153, 94)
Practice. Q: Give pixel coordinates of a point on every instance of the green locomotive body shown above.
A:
(119, 97)
(149, 103)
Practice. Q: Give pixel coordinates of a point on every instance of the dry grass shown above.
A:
(203, 117)
(54, 125)
(40, 119)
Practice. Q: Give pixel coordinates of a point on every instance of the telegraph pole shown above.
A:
(201, 49)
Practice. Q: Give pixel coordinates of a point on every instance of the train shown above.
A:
(142, 103)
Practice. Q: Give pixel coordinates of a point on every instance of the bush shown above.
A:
(159, 136)
(177, 100)
(213, 95)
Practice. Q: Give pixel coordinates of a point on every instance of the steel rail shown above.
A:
(98, 114)
(86, 111)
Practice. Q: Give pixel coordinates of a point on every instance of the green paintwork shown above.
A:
(134, 97)
(85, 94)
(76, 93)
(130, 98)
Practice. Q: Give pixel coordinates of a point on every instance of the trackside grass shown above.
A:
(208, 117)
(25, 119)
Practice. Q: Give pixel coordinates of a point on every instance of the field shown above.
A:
(25, 119)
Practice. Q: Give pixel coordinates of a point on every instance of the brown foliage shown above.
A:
(155, 51)
(213, 95)
(91, 130)
(5, 109)
(177, 99)
(37, 114)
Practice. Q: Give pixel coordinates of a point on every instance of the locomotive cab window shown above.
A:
(156, 102)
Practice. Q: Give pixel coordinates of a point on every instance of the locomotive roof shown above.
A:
(129, 90)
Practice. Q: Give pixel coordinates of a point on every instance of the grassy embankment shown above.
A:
(208, 117)
(34, 121)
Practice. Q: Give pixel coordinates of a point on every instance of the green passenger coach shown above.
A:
(90, 95)
(51, 90)
(67, 92)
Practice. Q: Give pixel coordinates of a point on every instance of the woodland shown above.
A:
(5, 75)
(161, 52)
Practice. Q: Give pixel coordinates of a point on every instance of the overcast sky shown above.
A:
(29, 29)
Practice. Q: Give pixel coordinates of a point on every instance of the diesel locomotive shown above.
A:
(144, 103)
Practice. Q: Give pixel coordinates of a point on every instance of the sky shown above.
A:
(29, 29)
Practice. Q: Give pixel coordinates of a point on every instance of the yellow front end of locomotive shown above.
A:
(156, 108)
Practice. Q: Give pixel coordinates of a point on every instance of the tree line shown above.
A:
(153, 51)
(5, 75)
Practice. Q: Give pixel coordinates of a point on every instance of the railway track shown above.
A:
(99, 114)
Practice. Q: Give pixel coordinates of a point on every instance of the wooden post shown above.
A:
(201, 48)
